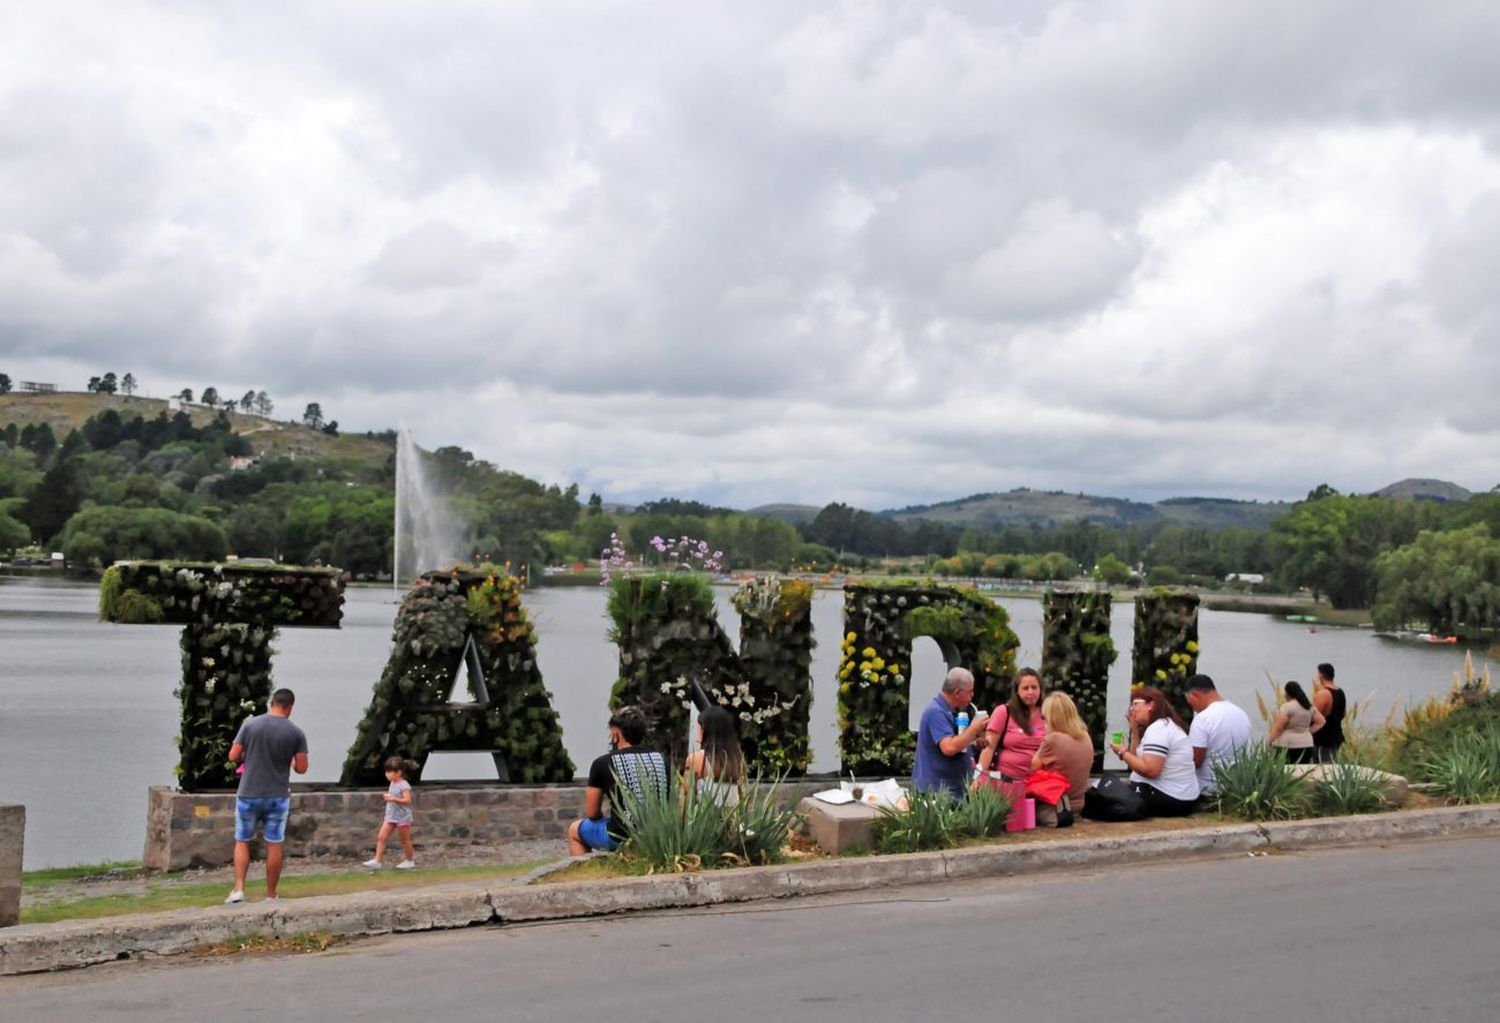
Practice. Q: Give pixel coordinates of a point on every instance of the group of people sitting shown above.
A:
(1171, 763)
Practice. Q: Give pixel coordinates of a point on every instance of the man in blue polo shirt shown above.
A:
(943, 758)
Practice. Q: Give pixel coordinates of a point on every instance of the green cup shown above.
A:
(1118, 738)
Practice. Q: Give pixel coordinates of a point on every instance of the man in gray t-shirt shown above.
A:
(269, 748)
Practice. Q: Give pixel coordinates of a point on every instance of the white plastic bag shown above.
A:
(888, 793)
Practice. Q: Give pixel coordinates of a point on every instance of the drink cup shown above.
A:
(1118, 738)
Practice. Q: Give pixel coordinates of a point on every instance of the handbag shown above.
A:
(1113, 799)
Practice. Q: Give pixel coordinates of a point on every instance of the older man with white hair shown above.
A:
(943, 759)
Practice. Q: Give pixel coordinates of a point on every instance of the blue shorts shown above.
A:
(270, 813)
(595, 834)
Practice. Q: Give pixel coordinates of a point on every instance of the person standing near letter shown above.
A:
(1328, 698)
(943, 760)
(270, 747)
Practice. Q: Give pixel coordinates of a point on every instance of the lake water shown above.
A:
(88, 720)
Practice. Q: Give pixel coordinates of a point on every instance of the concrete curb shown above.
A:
(36, 948)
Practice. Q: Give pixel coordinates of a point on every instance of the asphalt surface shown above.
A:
(1407, 932)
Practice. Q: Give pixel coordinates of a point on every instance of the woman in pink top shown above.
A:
(1016, 729)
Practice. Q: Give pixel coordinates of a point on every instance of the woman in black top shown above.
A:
(1329, 699)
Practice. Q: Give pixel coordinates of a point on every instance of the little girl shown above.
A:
(398, 816)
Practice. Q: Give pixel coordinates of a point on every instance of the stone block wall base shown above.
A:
(12, 843)
(196, 829)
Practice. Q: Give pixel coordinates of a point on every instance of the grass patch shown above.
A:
(597, 868)
(43, 878)
(306, 941)
(165, 893)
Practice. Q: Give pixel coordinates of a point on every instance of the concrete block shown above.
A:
(1395, 787)
(841, 827)
(12, 845)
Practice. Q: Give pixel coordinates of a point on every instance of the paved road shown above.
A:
(1402, 933)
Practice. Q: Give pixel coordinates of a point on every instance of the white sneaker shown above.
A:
(406, 865)
(234, 896)
(372, 864)
(273, 898)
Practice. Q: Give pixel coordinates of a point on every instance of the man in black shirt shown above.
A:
(640, 770)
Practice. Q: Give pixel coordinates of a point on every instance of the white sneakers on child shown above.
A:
(234, 896)
(372, 864)
(406, 865)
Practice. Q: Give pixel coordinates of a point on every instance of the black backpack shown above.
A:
(1114, 799)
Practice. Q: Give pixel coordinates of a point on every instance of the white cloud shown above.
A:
(880, 254)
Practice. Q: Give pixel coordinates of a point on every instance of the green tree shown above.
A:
(186, 394)
(210, 397)
(1111, 571)
(1447, 581)
(4, 384)
(312, 416)
(101, 536)
(127, 384)
(1329, 544)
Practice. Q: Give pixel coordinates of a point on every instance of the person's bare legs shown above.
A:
(241, 864)
(273, 867)
(381, 837)
(406, 846)
(575, 844)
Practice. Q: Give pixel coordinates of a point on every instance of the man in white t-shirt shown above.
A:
(1218, 732)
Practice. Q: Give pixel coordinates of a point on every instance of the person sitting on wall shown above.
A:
(943, 760)
(1219, 732)
(1016, 729)
(642, 771)
(1067, 747)
(717, 767)
(1159, 755)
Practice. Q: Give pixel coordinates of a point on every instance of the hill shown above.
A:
(1440, 491)
(1024, 507)
(796, 514)
(65, 411)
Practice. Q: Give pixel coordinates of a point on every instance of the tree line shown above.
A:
(162, 487)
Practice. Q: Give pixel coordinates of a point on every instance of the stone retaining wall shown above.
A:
(12, 843)
(196, 829)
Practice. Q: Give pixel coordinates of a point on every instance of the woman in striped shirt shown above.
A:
(1159, 755)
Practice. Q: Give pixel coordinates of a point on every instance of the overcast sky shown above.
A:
(882, 253)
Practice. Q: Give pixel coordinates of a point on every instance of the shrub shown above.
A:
(983, 814)
(758, 826)
(682, 829)
(929, 823)
(1348, 787)
(675, 829)
(1464, 763)
(1256, 786)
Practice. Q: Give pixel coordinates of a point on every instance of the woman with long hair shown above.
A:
(1293, 727)
(717, 766)
(1159, 755)
(1016, 729)
(1067, 747)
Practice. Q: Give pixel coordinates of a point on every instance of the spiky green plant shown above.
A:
(675, 828)
(1465, 764)
(758, 825)
(928, 823)
(983, 814)
(1257, 786)
(1348, 787)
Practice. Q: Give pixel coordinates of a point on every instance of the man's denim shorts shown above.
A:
(595, 834)
(270, 813)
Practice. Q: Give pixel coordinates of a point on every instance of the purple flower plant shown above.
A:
(682, 553)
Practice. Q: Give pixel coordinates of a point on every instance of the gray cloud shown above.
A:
(881, 254)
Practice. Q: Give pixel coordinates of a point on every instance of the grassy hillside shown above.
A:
(1024, 507)
(67, 410)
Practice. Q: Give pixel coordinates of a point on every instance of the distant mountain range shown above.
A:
(1026, 507)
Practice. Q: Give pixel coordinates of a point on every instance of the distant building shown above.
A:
(32, 387)
(239, 463)
(1253, 578)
